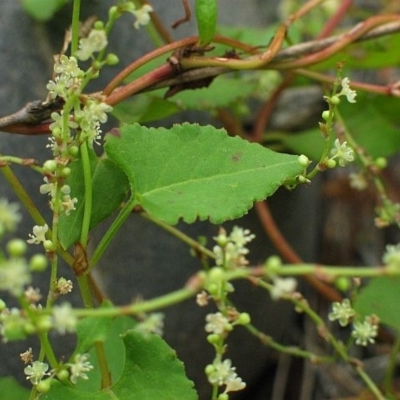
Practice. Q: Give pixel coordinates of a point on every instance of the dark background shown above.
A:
(144, 260)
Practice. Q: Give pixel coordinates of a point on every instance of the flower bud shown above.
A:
(16, 247)
(38, 263)
(50, 166)
(326, 115)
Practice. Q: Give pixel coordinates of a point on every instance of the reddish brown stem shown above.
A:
(288, 253)
(165, 71)
(335, 19)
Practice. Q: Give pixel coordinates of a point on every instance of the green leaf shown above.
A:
(374, 120)
(150, 371)
(193, 172)
(42, 10)
(381, 296)
(144, 108)
(222, 92)
(206, 15)
(91, 330)
(11, 389)
(109, 190)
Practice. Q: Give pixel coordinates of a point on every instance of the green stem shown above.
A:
(111, 232)
(88, 199)
(106, 381)
(75, 26)
(48, 349)
(180, 235)
(157, 303)
(371, 385)
(22, 195)
(391, 369)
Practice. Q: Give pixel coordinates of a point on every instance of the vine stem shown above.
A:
(289, 253)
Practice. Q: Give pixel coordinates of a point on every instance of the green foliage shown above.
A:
(150, 370)
(192, 172)
(9, 385)
(381, 296)
(206, 15)
(378, 133)
(43, 10)
(109, 190)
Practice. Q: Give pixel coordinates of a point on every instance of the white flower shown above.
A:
(216, 323)
(48, 187)
(68, 204)
(346, 91)
(9, 216)
(64, 286)
(36, 371)
(222, 372)
(14, 275)
(96, 41)
(282, 286)
(68, 67)
(153, 323)
(241, 236)
(142, 15)
(342, 152)
(39, 234)
(358, 181)
(365, 332)
(79, 367)
(234, 384)
(64, 319)
(342, 312)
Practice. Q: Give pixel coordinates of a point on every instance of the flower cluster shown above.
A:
(391, 258)
(223, 373)
(95, 42)
(9, 216)
(282, 286)
(79, 367)
(68, 79)
(346, 91)
(342, 312)
(141, 14)
(36, 371)
(152, 323)
(342, 152)
(365, 331)
(231, 250)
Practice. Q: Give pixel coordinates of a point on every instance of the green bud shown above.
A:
(213, 289)
(49, 245)
(50, 165)
(112, 59)
(326, 115)
(44, 386)
(213, 338)
(335, 100)
(73, 151)
(223, 396)
(66, 171)
(3, 305)
(29, 328)
(98, 25)
(44, 324)
(16, 247)
(243, 319)
(38, 263)
(209, 369)
(63, 375)
(113, 12)
(343, 284)
(331, 163)
(216, 274)
(303, 160)
(274, 262)
(381, 162)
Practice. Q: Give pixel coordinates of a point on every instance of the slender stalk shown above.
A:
(111, 232)
(392, 364)
(75, 26)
